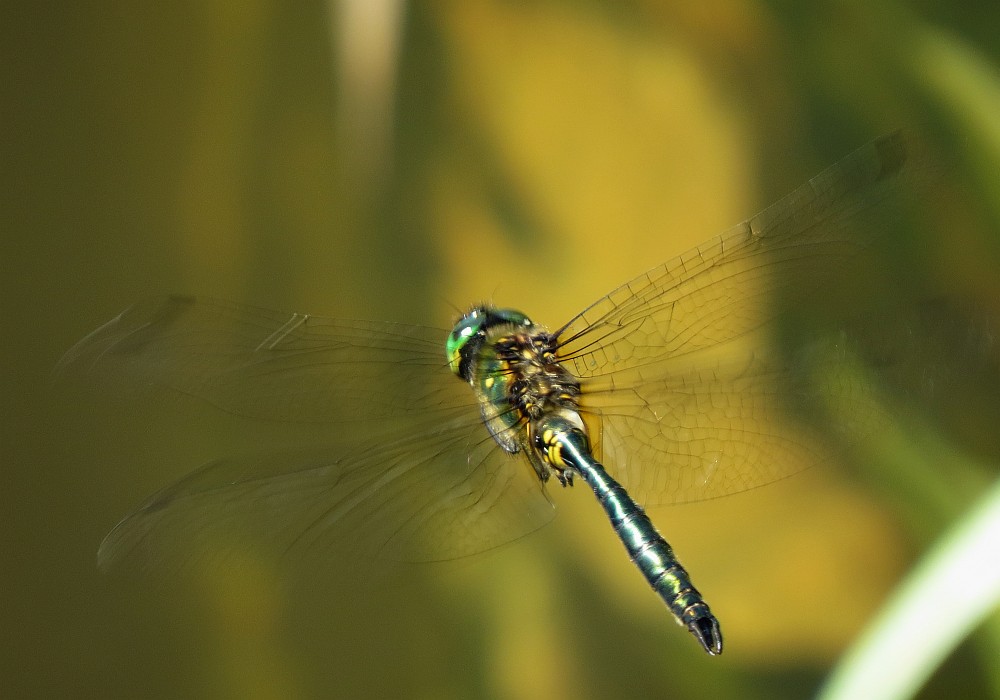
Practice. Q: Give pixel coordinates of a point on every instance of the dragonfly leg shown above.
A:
(565, 477)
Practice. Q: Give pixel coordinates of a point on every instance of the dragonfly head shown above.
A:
(469, 334)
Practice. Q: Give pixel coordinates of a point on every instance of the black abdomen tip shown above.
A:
(706, 631)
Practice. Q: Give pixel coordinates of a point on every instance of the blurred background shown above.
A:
(398, 161)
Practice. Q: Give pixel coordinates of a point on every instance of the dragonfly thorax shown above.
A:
(512, 366)
(470, 332)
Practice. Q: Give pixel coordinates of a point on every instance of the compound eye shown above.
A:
(466, 328)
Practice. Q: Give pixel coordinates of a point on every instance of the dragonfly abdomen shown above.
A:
(565, 445)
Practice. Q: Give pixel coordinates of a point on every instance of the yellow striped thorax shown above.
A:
(512, 366)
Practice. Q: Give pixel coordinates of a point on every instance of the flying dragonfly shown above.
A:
(669, 389)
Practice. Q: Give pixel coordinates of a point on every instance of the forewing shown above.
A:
(273, 365)
(726, 288)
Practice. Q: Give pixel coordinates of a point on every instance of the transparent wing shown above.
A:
(274, 365)
(410, 497)
(414, 474)
(724, 422)
(679, 363)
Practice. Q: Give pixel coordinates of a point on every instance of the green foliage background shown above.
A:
(534, 154)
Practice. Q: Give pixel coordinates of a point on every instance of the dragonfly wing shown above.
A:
(694, 397)
(415, 474)
(727, 419)
(273, 365)
(443, 493)
(727, 287)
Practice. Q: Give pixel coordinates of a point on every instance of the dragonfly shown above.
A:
(443, 442)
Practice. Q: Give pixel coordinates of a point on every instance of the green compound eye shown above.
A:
(467, 327)
(474, 324)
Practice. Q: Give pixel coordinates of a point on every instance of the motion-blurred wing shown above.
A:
(273, 365)
(440, 494)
